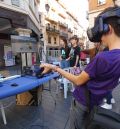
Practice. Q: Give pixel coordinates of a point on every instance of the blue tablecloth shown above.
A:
(24, 84)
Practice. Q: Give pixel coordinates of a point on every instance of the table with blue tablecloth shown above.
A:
(23, 84)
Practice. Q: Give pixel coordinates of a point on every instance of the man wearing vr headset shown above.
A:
(102, 73)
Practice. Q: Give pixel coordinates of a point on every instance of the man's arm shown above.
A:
(77, 80)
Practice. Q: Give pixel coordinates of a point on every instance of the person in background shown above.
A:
(83, 55)
(65, 50)
(75, 52)
(82, 46)
(91, 52)
(74, 57)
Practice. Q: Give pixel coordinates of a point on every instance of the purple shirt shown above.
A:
(104, 72)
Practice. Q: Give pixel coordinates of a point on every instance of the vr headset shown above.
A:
(100, 27)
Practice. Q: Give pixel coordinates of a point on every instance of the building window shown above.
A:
(100, 2)
(15, 2)
(49, 39)
(48, 25)
(54, 27)
(55, 40)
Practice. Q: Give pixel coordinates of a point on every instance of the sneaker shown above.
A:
(107, 106)
(112, 100)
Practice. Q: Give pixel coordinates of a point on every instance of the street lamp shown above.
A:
(47, 8)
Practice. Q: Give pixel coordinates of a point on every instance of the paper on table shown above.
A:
(9, 78)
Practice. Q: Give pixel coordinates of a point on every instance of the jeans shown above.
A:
(65, 64)
(109, 97)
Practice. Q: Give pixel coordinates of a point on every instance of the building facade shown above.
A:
(58, 23)
(18, 18)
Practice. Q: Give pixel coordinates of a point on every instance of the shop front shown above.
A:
(10, 21)
(26, 47)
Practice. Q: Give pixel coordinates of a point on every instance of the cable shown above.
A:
(66, 122)
(52, 97)
(45, 89)
(42, 124)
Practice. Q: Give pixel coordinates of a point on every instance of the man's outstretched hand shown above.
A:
(47, 68)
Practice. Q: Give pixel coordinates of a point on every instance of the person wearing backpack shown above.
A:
(102, 74)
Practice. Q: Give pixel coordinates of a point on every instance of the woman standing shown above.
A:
(75, 52)
(65, 50)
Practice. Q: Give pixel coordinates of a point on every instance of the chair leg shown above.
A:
(65, 88)
(57, 87)
(3, 113)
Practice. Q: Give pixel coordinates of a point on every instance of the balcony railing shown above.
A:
(51, 29)
(52, 55)
(63, 34)
(63, 24)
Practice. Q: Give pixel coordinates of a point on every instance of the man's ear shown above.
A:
(110, 29)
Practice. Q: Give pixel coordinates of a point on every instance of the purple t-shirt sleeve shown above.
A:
(96, 66)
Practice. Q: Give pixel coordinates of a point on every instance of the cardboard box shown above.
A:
(30, 98)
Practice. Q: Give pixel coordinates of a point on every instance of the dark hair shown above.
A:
(65, 42)
(75, 38)
(113, 21)
(66, 46)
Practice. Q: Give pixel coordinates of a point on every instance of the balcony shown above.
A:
(63, 24)
(63, 34)
(52, 30)
(70, 30)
